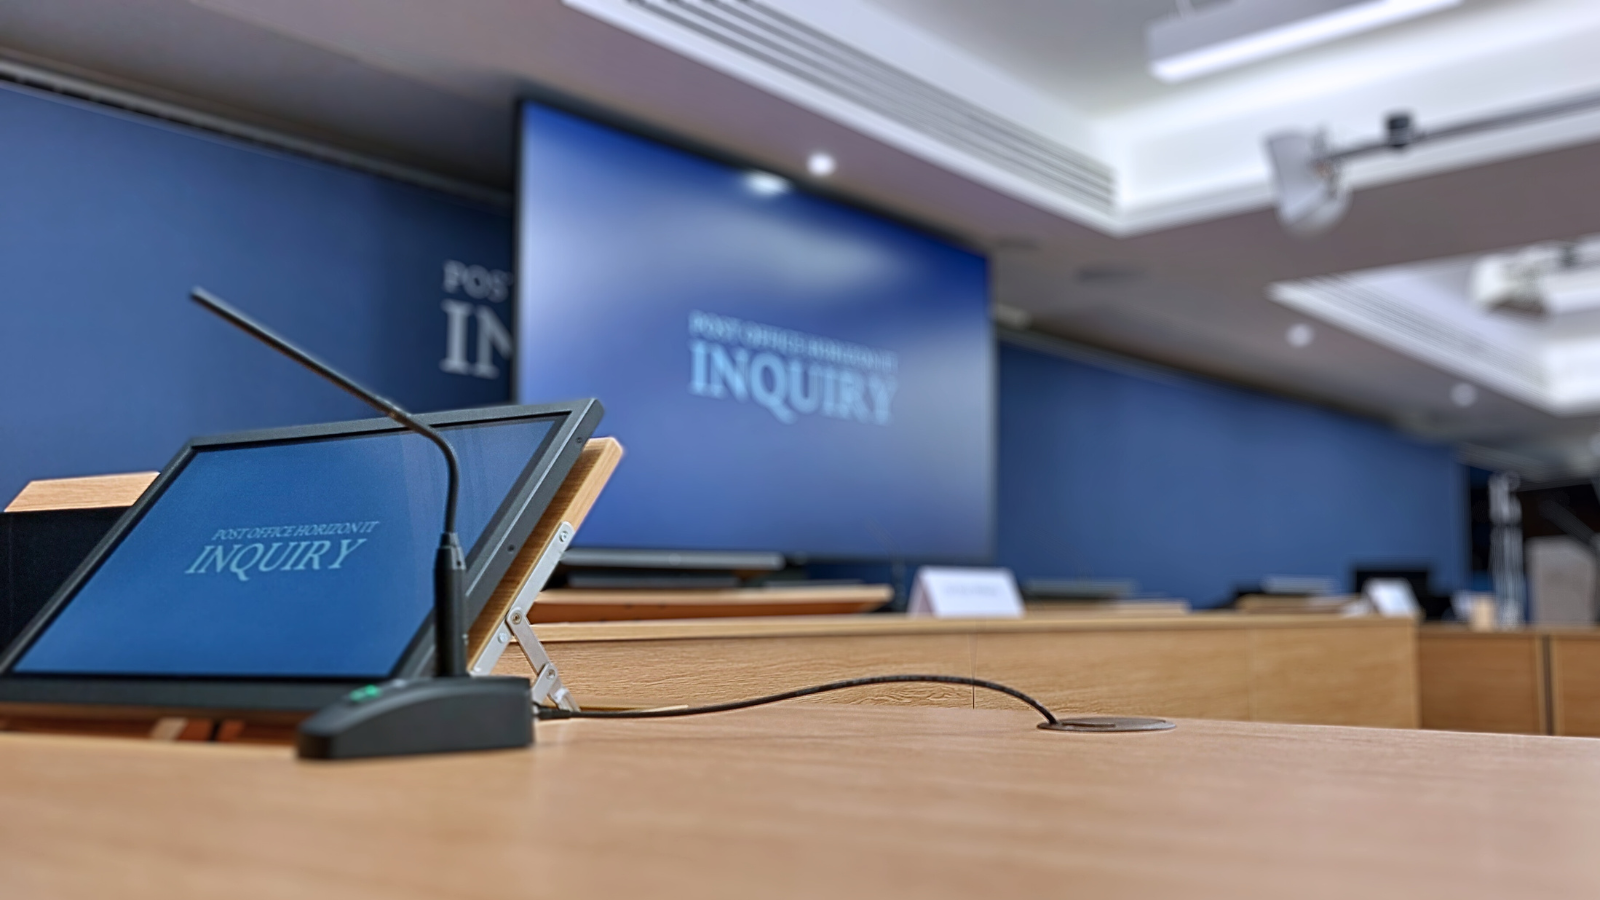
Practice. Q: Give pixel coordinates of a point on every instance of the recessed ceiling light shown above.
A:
(1223, 35)
(1300, 335)
(765, 184)
(821, 164)
(1463, 394)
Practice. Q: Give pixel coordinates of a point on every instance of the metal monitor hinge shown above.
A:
(547, 687)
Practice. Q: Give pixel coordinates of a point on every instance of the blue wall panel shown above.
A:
(107, 220)
(1192, 488)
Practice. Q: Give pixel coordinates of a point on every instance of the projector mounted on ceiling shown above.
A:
(1548, 279)
(1306, 172)
(1201, 39)
(1523, 322)
(1311, 195)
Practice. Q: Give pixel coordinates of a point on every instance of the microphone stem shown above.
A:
(449, 569)
(450, 649)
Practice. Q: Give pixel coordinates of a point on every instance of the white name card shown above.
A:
(1392, 597)
(951, 593)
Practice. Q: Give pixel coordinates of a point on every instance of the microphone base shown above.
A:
(433, 715)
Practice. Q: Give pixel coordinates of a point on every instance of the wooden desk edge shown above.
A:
(897, 624)
(1450, 630)
(88, 492)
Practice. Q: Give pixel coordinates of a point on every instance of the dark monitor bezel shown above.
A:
(489, 558)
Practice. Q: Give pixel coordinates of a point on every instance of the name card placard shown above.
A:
(1392, 597)
(960, 593)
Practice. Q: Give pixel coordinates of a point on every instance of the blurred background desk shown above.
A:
(816, 801)
(1312, 669)
(1527, 681)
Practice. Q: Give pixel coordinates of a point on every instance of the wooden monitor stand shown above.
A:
(505, 616)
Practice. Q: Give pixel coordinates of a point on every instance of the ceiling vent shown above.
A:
(776, 43)
(1371, 308)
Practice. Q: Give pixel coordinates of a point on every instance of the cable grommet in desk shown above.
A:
(1108, 724)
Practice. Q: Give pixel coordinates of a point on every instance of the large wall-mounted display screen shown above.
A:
(789, 373)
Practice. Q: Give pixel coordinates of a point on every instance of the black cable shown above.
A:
(550, 713)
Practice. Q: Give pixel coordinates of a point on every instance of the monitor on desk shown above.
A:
(273, 570)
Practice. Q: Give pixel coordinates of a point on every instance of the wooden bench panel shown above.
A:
(1334, 677)
(1482, 682)
(1194, 674)
(696, 671)
(1575, 685)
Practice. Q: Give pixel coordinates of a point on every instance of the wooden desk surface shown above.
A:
(817, 801)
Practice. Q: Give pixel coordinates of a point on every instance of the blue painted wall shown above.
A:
(1191, 488)
(107, 219)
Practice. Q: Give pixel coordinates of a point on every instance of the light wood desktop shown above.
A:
(816, 801)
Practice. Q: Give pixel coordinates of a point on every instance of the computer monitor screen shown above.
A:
(789, 373)
(288, 559)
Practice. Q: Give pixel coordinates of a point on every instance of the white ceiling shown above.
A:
(432, 84)
(1089, 54)
(1070, 76)
(1550, 359)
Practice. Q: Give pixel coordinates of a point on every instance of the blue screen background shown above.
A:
(144, 613)
(621, 239)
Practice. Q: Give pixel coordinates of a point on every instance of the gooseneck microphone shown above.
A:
(450, 648)
(450, 712)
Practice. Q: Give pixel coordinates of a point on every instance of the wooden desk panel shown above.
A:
(1335, 671)
(821, 801)
(1482, 681)
(666, 673)
(1575, 683)
(1334, 677)
(1158, 673)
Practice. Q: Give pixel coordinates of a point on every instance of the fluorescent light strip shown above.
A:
(1292, 36)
